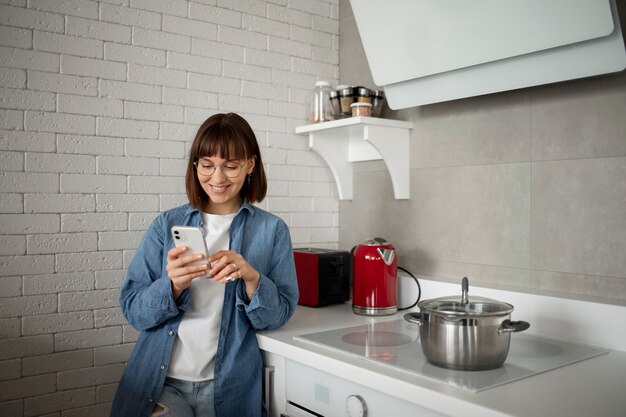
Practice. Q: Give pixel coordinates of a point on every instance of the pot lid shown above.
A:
(464, 305)
(476, 306)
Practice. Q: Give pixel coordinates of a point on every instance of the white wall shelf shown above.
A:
(354, 139)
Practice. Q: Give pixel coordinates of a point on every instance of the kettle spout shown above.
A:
(387, 255)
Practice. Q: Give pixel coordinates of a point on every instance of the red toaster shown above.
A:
(323, 276)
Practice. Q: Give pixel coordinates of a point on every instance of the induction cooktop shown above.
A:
(396, 344)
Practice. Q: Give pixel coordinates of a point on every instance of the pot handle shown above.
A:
(509, 326)
(415, 318)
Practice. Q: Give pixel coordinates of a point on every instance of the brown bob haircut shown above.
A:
(227, 136)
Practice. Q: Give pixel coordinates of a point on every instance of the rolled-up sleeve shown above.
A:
(276, 297)
(146, 296)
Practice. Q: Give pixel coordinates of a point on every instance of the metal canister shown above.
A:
(346, 98)
(363, 95)
(378, 98)
(335, 104)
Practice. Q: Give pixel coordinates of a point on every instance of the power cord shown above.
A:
(419, 289)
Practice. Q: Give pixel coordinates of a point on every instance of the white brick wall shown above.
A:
(99, 102)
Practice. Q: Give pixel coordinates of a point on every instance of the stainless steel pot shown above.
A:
(465, 334)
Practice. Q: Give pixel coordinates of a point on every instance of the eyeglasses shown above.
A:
(229, 169)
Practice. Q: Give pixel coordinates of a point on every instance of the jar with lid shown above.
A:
(320, 107)
(361, 109)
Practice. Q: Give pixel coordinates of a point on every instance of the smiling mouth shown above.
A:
(219, 189)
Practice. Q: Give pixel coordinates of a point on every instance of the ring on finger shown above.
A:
(232, 278)
(235, 266)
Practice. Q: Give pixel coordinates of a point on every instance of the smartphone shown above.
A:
(193, 238)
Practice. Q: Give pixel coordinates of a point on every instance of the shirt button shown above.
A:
(162, 366)
(150, 400)
(170, 333)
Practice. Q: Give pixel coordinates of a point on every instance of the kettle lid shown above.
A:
(375, 241)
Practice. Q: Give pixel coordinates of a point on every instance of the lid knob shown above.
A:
(464, 291)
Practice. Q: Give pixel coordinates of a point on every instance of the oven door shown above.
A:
(311, 392)
(292, 410)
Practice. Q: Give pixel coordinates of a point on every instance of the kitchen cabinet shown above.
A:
(274, 383)
(342, 142)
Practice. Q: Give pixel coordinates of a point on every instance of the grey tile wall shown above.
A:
(521, 190)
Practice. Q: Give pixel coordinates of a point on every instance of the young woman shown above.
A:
(197, 353)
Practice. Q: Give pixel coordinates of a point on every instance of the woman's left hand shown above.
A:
(228, 265)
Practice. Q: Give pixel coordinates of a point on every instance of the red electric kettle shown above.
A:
(374, 278)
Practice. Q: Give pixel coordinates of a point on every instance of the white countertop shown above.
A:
(593, 387)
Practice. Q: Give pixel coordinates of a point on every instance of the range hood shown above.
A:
(424, 51)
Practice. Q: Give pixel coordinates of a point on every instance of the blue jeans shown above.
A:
(186, 399)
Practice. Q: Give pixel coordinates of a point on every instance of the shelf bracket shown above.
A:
(335, 151)
(356, 139)
(393, 146)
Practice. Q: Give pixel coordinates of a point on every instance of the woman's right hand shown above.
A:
(179, 270)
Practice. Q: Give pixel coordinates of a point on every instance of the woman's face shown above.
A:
(224, 183)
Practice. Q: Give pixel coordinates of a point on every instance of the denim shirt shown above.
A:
(148, 305)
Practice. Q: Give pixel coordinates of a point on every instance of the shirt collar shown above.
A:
(244, 206)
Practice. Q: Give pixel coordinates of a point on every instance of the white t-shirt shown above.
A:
(193, 355)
